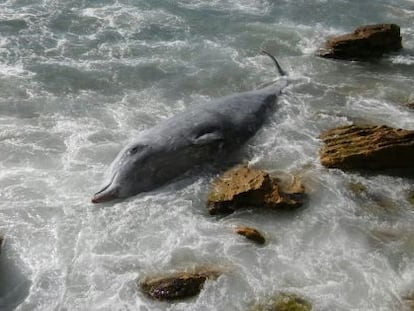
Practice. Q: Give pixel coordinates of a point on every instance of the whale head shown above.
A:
(131, 173)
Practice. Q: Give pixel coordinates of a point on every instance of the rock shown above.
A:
(410, 197)
(410, 105)
(409, 300)
(251, 234)
(366, 42)
(284, 302)
(177, 286)
(246, 187)
(370, 201)
(371, 147)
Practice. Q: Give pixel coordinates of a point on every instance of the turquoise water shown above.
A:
(78, 79)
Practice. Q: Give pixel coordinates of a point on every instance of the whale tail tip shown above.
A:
(279, 68)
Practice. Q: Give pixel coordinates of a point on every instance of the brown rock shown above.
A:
(245, 187)
(177, 286)
(409, 300)
(372, 147)
(410, 105)
(251, 234)
(365, 42)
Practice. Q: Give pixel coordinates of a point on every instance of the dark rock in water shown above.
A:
(410, 197)
(410, 105)
(284, 302)
(372, 147)
(246, 187)
(1, 243)
(366, 42)
(180, 285)
(251, 234)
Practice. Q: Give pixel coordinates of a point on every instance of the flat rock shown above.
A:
(251, 234)
(242, 186)
(177, 286)
(365, 42)
(370, 147)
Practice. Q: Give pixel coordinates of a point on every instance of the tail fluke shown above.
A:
(281, 71)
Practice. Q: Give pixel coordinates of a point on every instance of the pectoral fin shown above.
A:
(208, 138)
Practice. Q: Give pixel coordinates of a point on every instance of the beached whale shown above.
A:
(190, 138)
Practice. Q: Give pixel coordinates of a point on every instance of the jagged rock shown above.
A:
(1, 243)
(246, 187)
(251, 234)
(371, 147)
(284, 302)
(177, 286)
(365, 42)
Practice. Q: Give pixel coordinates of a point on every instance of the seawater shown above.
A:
(79, 79)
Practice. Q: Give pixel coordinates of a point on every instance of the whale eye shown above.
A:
(134, 150)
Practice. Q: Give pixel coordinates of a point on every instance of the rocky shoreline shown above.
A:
(350, 147)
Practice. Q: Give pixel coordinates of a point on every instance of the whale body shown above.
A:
(190, 138)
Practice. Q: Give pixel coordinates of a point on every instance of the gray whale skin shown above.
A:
(190, 138)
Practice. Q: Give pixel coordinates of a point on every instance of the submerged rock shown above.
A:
(409, 300)
(242, 186)
(372, 201)
(365, 42)
(371, 147)
(410, 197)
(284, 302)
(410, 105)
(177, 286)
(251, 234)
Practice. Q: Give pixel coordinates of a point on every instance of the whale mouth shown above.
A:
(105, 194)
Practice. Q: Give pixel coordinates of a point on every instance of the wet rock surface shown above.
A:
(284, 302)
(410, 197)
(177, 286)
(409, 301)
(365, 42)
(242, 186)
(370, 147)
(410, 105)
(250, 234)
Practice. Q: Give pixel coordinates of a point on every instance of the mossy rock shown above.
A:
(284, 302)
(357, 187)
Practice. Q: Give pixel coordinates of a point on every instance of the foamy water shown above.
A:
(78, 80)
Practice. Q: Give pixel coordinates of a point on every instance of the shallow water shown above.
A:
(78, 79)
